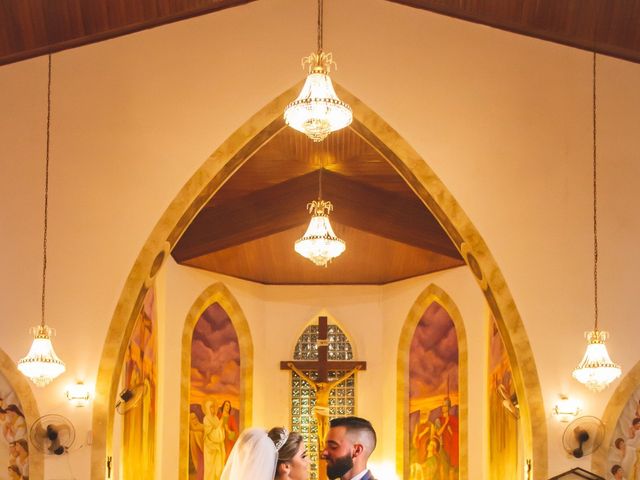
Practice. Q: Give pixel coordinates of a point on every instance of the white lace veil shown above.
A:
(253, 457)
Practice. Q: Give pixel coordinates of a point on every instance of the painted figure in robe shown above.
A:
(448, 433)
(230, 427)
(196, 444)
(214, 449)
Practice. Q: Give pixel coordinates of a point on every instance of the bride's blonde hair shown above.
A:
(290, 447)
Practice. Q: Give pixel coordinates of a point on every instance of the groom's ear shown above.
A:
(358, 449)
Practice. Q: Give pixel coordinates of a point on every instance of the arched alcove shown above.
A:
(222, 164)
(430, 295)
(22, 390)
(218, 294)
(626, 388)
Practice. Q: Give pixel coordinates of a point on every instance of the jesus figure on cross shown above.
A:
(322, 390)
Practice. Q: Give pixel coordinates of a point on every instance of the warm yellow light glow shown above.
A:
(318, 111)
(566, 409)
(319, 244)
(596, 370)
(78, 394)
(383, 469)
(41, 364)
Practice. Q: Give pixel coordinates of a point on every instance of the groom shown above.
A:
(348, 445)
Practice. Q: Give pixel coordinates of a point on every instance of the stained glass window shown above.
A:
(342, 398)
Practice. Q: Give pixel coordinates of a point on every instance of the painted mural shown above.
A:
(503, 411)
(214, 398)
(14, 447)
(140, 378)
(434, 398)
(624, 452)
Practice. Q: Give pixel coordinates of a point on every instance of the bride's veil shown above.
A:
(253, 457)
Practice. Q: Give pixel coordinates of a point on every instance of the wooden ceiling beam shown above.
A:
(281, 207)
(608, 27)
(38, 27)
(256, 215)
(385, 214)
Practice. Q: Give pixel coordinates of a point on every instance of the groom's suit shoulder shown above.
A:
(368, 476)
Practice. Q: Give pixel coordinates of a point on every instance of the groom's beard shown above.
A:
(339, 467)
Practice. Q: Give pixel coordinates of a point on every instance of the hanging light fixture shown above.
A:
(596, 370)
(318, 111)
(41, 364)
(319, 244)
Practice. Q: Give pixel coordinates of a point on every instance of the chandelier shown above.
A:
(41, 364)
(596, 370)
(318, 111)
(319, 244)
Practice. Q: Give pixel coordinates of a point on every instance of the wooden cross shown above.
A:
(321, 385)
(323, 364)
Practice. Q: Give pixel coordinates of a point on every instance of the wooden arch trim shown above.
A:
(628, 385)
(220, 294)
(22, 389)
(222, 164)
(430, 295)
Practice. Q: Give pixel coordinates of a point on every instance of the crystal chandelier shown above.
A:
(319, 244)
(41, 364)
(596, 370)
(318, 111)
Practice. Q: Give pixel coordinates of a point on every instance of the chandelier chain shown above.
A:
(46, 195)
(595, 201)
(320, 26)
(320, 184)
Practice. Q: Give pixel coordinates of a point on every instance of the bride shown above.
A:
(259, 455)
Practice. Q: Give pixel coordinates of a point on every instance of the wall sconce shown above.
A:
(566, 409)
(78, 394)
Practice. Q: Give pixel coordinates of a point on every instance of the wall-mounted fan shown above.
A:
(583, 436)
(130, 397)
(52, 434)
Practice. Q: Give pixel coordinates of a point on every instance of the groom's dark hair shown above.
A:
(359, 427)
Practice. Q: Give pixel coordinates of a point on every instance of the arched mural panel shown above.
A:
(623, 451)
(432, 390)
(504, 413)
(217, 366)
(138, 398)
(434, 399)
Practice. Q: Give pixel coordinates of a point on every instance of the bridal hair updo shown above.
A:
(290, 446)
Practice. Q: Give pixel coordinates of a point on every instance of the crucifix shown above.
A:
(322, 386)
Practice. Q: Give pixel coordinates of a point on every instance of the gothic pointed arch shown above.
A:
(432, 296)
(22, 390)
(627, 388)
(219, 297)
(425, 183)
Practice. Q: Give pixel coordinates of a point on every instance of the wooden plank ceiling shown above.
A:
(34, 27)
(249, 227)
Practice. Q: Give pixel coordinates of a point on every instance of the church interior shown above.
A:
(483, 193)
